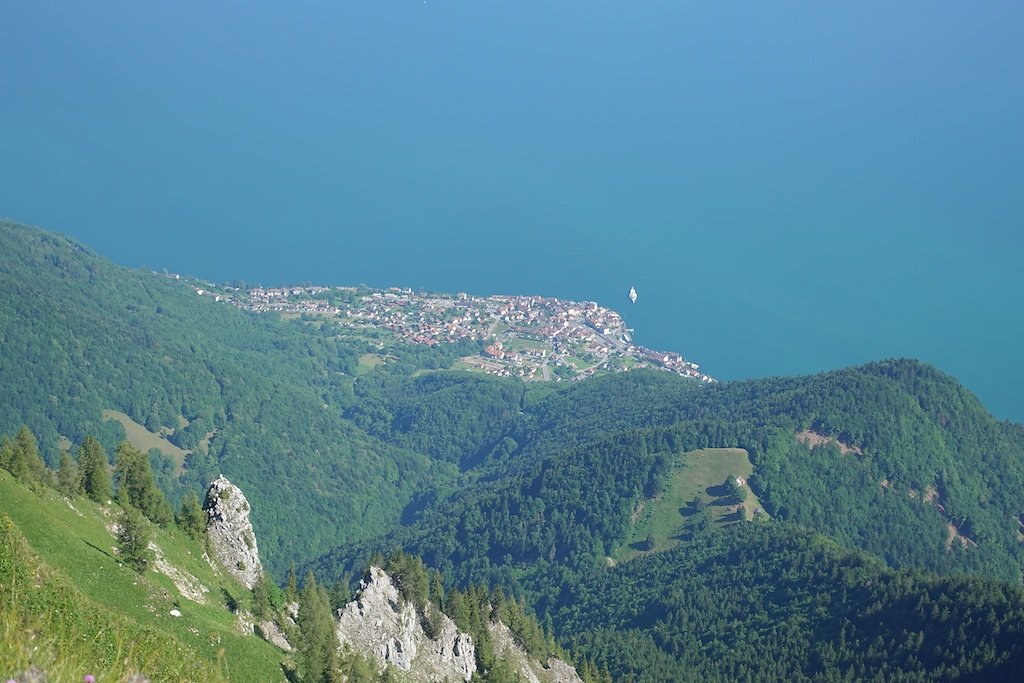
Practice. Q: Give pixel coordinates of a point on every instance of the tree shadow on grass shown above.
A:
(229, 600)
(96, 547)
(719, 491)
(691, 508)
(733, 517)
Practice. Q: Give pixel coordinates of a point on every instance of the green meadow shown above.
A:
(70, 608)
(696, 476)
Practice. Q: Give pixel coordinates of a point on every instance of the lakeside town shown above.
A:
(532, 337)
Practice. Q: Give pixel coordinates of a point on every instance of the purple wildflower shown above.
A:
(89, 678)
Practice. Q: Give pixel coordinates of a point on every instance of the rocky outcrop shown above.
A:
(272, 633)
(230, 531)
(381, 624)
(562, 672)
(187, 584)
(507, 647)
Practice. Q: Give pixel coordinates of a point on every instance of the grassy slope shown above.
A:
(698, 474)
(73, 543)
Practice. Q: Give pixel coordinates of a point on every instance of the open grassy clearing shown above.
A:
(143, 439)
(697, 475)
(369, 361)
(72, 540)
(578, 362)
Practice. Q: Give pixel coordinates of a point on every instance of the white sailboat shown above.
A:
(632, 295)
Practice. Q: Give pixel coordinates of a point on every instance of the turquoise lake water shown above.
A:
(790, 188)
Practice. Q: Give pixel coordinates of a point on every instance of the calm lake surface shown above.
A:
(790, 189)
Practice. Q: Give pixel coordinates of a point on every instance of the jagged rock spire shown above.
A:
(230, 531)
(386, 627)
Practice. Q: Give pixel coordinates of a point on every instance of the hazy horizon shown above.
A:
(791, 187)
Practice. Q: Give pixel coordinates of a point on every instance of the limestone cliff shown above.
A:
(380, 624)
(506, 647)
(230, 531)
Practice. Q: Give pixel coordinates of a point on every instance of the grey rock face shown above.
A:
(561, 672)
(505, 647)
(528, 669)
(230, 531)
(272, 633)
(381, 624)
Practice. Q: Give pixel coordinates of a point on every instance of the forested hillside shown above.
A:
(771, 603)
(80, 335)
(933, 482)
(881, 486)
(892, 458)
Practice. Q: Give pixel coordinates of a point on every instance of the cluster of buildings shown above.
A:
(419, 318)
(287, 300)
(673, 361)
(533, 337)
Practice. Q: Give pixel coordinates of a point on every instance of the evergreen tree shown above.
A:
(133, 539)
(317, 639)
(69, 479)
(340, 595)
(6, 453)
(356, 668)
(436, 588)
(499, 610)
(137, 486)
(502, 672)
(456, 608)
(292, 590)
(409, 573)
(261, 596)
(191, 518)
(25, 463)
(95, 470)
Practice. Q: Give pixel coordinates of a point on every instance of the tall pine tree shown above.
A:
(25, 463)
(291, 593)
(69, 479)
(6, 453)
(261, 596)
(137, 486)
(133, 539)
(95, 470)
(191, 518)
(317, 639)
